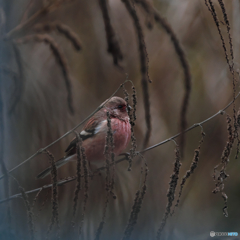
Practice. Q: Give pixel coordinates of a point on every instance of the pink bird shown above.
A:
(94, 134)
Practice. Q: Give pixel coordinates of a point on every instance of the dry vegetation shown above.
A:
(60, 59)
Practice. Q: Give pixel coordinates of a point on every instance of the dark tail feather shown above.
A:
(47, 171)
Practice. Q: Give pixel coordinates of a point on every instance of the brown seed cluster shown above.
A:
(29, 212)
(86, 185)
(109, 180)
(193, 166)
(78, 174)
(144, 67)
(132, 117)
(55, 215)
(171, 191)
(112, 41)
(137, 205)
(60, 58)
(154, 14)
(63, 29)
(222, 175)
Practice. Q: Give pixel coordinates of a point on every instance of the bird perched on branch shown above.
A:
(94, 134)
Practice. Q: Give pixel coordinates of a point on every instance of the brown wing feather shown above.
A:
(89, 128)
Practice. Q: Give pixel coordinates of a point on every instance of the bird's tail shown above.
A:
(47, 171)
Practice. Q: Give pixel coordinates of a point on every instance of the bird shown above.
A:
(94, 134)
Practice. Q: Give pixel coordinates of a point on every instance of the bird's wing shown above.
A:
(90, 129)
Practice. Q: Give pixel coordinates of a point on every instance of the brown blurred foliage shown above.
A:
(36, 110)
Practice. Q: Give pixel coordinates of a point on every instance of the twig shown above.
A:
(62, 182)
(25, 14)
(41, 150)
(144, 67)
(136, 208)
(20, 81)
(190, 128)
(61, 28)
(78, 175)
(54, 218)
(113, 44)
(183, 61)
(59, 56)
(21, 29)
(30, 215)
(171, 191)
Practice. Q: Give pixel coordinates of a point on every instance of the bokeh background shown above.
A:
(35, 112)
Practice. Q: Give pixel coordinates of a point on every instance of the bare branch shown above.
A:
(148, 8)
(61, 28)
(41, 150)
(62, 182)
(113, 44)
(144, 67)
(59, 56)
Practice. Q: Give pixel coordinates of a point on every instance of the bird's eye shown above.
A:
(120, 106)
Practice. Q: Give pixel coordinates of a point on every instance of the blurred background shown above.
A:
(35, 112)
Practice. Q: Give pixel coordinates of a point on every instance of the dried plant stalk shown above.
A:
(224, 162)
(109, 180)
(36, 197)
(19, 82)
(78, 174)
(57, 53)
(29, 212)
(44, 201)
(86, 185)
(193, 166)
(28, 8)
(230, 65)
(152, 12)
(171, 191)
(61, 28)
(136, 208)
(144, 67)
(55, 215)
(132, 117)
(113, 44)
(238, 139)
(101, 225)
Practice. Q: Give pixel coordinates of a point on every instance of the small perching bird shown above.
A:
(94, 134)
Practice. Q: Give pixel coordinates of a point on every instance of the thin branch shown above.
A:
(54, 200)
(21, 29)
(113, 44)
(20, 81)
(61, 28)
(25, 14)
(190, 128)
(70, 179)
(150, 10)
(41, 150)
(144, 67)
(59, 57)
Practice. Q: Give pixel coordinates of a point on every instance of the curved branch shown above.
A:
(70, 179)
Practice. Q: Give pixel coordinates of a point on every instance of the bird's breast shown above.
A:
(94, 146)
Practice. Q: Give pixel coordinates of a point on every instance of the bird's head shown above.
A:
(117, 107)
